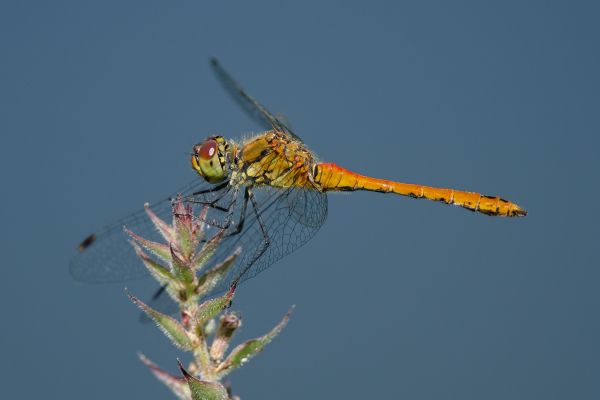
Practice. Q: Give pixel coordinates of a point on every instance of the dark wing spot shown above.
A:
(87, 242)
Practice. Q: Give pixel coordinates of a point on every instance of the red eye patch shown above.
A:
(208, 149)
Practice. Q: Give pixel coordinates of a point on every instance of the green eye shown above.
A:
(212, 169)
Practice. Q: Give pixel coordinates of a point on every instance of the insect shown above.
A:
(267, 193)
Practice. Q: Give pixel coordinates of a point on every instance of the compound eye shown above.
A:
(208, 150)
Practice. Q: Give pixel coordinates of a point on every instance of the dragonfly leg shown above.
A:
(229, 209)
(228, 219)
(266, 241)
(248, 195)
(259, 219)
(212, 203)
(212, 189)
(240, 223)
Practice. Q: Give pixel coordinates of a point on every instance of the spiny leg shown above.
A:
(266, 240)
(212, 203)
(230, 209)
(241, 221)
(212, 189)
(240, 224)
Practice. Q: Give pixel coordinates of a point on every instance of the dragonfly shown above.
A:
(267, 192)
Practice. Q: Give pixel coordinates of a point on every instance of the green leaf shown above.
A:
(210, 308)
(181, 269)
(165, 230)
(203, 390)
(178, 385)
(208, 280)
(161, 273)
(158, 271)
(245, 351)
(207, 251)
(182, 222)
(160, 250)
(170, 327)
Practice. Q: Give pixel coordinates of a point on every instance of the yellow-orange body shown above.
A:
(275, 159)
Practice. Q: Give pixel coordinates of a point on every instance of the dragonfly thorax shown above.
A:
(211, 159)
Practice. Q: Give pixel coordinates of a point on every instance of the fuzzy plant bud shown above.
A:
(247, 350)
(229, 323)
(185, 233)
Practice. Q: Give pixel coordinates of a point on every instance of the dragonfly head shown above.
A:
(210, 159)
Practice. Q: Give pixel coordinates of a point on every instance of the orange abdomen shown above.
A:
(331, 177)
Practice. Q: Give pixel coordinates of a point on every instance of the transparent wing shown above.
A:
(290, 217)
(275, 223)
(106, 255)
(253, 108)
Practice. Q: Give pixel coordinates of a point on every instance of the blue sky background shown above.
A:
(396, 298)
